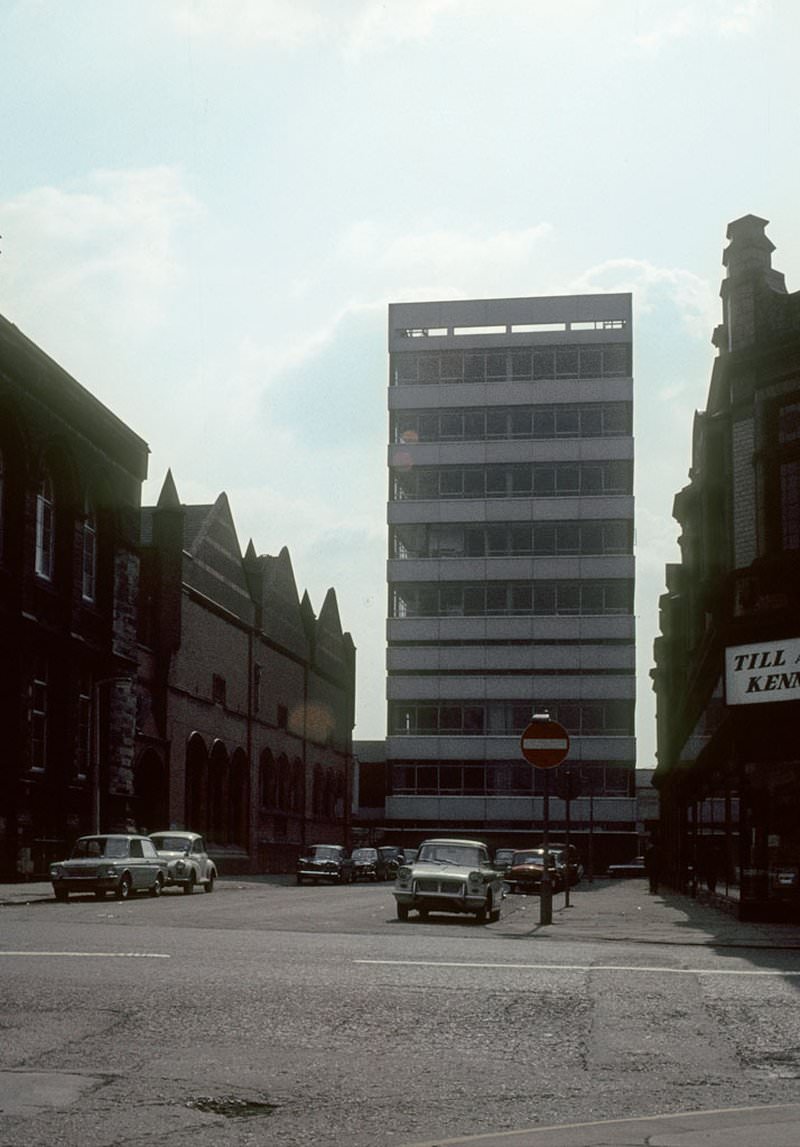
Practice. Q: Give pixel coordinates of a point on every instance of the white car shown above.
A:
(450, 876)
(188, 863)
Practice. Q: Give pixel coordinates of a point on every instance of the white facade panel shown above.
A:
(568, 628)
(511, 569)
(530, 810)
(406, 659)
(504, 748)
(598, 508)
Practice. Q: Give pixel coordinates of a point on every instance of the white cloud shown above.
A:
(694, 297)
(712, 17)
(357, 26)
(439, 262)
(106, 245)
(285, 23)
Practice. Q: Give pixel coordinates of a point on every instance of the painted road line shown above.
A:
(582, 968)
(102, 955)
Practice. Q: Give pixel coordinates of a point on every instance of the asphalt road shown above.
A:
(275, 1015)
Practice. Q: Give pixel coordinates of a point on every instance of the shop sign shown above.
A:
(767, 671)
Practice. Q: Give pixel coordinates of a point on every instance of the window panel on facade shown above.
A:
(567, 422)
(521, 599)
(428, 368)
(429, 427)
(474, 367)
(45, 528)
(591, 363)
(615, 360)
(474, 424)
(520, 418)
(496, 423)
(567, 362)
(474, 601)
(790, 505)
(451, 425)
(496, 365)
(544, 363)
(544, 480)
(474, 541)
(544, 539)
(452, 366)
(544, 423)
(521, 364)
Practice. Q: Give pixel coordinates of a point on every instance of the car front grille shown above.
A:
(440, 887)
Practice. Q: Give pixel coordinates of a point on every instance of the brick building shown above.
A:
(70, 487)
(246, 697)
(725, 676)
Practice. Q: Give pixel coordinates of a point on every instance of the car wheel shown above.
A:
(157, 885)
(494, 914)
(188, 887)
(402, 911)
(484, 911)
(123, 888)
(209, 884)
(61, 894)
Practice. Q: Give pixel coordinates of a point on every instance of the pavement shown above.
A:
(614, 911)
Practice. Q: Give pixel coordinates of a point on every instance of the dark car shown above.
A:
(393, 856)
(527, 867)
(572, 860)
(503, 858)
(110, 862)
(369, 864)
(628, 868)
(325, 862)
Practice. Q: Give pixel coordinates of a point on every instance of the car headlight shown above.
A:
(404, 877)
(180, 865)
(475, 882)
(55, 872)
(105, 873)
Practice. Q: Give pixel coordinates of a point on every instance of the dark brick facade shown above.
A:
(70, 484)
(729, 772)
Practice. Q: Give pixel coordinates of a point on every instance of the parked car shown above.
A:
(527, 868)
(450, 876)
(572, 860)
(188, 862)
(393, 856)
(325, 862)
(503, 858)
(110, 862)
(633, 867)
(369, 864)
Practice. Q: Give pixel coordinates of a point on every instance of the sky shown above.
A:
(207, 205)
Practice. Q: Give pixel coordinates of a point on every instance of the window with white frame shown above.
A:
(89, 556)
(45, 528)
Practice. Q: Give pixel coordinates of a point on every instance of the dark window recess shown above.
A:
(283, 717)
(218, 689)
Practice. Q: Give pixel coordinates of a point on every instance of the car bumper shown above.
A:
(441, 901)
(85, 883)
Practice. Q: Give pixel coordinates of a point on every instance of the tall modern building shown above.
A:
(510, 565)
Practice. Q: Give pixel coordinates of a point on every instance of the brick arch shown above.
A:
(218, 789)
(196, 784)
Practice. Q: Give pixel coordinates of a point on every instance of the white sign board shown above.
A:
(767, 671)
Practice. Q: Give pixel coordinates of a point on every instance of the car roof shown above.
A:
(453, 840)
(176, 832)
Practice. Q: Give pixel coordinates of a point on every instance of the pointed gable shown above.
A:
(329, 651)
(214, 565)
(281, 612)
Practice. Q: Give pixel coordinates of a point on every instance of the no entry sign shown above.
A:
(544, 743)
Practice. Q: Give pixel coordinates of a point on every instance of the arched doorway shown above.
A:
(197, 785)
(150, 792)
(238, 800)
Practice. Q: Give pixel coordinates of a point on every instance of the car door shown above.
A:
(151, 863)
(136, 863)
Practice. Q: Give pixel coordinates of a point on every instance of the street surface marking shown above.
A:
(583, 968)
(105, 955)
(692, 1120)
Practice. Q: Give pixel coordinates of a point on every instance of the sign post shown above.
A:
(545, 744)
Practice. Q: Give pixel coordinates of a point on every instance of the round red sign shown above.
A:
(544, 743)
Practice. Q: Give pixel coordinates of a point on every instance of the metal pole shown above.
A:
(546, 893)
(569, 799)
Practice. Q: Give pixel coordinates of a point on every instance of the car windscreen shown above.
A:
(170, 843)
(460, 855)
(325, 852)
(364, 854)
(108, 846)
